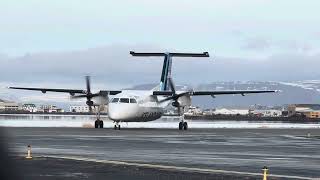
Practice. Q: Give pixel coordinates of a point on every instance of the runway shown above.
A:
(287, 152)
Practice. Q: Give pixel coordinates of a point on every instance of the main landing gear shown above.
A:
(117, 126)
(183, 125)
(98, 123)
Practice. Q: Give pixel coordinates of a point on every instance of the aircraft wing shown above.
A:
(242, 92)
(213, 93)
(70, 91)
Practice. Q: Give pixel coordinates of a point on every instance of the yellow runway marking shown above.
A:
(177, 168)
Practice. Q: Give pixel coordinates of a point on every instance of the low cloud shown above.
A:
(258, 44)
(114, 67)
(271, 46)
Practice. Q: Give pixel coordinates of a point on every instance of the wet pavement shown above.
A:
(287, 152)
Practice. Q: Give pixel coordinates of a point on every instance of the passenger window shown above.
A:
(115, 100)
(124, 100)
(132, 100)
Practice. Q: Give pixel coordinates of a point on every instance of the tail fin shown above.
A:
(166, 72)
(167, 64)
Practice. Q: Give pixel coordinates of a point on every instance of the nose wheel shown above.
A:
(117, 126)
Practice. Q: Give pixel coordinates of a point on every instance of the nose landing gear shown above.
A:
(117, 126)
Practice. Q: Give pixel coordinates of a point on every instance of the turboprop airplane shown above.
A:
(142, 106)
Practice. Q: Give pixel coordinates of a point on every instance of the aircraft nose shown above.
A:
(121, 111)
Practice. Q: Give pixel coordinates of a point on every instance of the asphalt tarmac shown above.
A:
(198, 153)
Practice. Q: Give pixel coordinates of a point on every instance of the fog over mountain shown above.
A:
(113, 66)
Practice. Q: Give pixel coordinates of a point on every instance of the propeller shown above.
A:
(174, 96)
(87, 94)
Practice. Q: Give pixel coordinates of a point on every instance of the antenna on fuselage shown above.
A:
(167, 64)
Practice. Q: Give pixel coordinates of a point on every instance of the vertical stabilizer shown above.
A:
(167, 64)
(166, 72)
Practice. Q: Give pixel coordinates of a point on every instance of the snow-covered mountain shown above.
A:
(291, 93)
(307, 84)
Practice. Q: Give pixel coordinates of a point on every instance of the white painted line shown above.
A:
(177, 168)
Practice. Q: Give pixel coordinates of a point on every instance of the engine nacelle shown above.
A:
(101, 100)
(184, 101)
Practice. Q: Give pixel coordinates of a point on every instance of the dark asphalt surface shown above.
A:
(284, 151)
(61, 169)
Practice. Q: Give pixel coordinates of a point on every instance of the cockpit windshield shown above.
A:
(132, 100)
(124, 100)
(115, 100)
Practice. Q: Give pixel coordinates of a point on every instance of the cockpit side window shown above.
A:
(132, 100)
(124, 100)
(115, 100)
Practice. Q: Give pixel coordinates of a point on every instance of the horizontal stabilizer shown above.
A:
(204, 54)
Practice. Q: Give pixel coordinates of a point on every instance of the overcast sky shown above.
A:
(44, 41)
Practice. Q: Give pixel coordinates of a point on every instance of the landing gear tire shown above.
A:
(101, 124)
(185, 126)
(96, 124)
(117, 127)
(180, 125)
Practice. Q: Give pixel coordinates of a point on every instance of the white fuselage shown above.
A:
(138, 106)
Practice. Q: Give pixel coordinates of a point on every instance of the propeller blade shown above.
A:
(166, 99)
(172, 86)
(85, 96)
(174, 97)
(88, 95)
(88, 84)
(179, 110)
(78, 96)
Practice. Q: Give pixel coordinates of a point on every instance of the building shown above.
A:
(49, 109)
(307, 110)
(311, 114)
(194, 111)
(9, 106)
(29, 107)
(267, 113)
(225, 111)
(79, 109)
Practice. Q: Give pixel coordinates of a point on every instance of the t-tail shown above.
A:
(167, 64)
